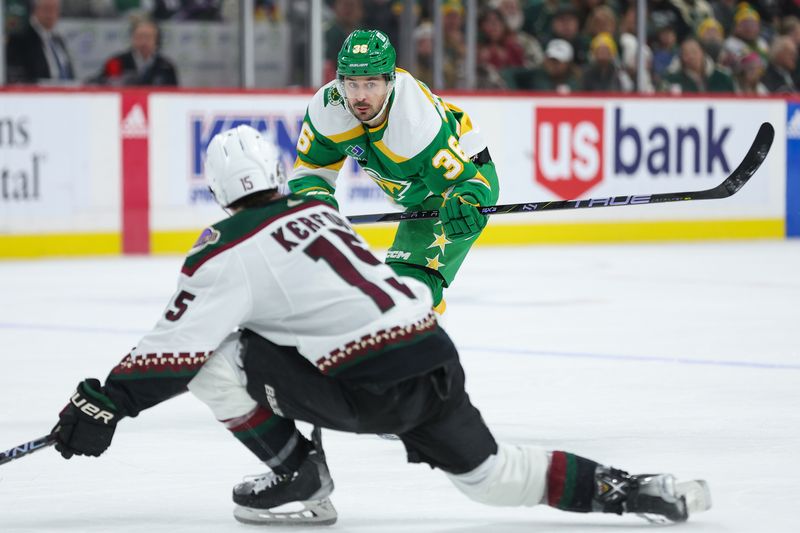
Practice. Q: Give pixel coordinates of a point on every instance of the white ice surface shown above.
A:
(678, 358)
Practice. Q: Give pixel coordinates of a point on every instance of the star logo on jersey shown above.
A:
(434, 263)
(392, 187)
(440, 241)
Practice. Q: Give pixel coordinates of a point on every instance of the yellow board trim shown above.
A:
(59, 245)
(347, 135)
(382, 235)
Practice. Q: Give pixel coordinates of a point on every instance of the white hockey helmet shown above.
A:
(240, 162)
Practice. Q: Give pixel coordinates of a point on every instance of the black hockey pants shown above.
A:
(430, 412)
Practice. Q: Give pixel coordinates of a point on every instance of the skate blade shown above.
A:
(312, 513)
(697, 495)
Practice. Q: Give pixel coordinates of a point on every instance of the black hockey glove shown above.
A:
(86, 425)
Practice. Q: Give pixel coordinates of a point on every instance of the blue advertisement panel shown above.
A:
(793, 169)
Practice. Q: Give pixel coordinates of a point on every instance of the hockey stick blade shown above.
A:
(750, 164)
(26, 449)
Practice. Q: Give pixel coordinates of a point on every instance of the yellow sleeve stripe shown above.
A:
(347, 135)
(465, 123)
(388, 153)
(479, 177)
(429, 95)
(303, 191)
(333, 166)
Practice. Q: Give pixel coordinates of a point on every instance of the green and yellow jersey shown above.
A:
(423, 148)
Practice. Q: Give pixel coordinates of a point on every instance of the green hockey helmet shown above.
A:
(366, 53)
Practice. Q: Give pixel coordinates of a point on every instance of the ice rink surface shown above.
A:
(672, 357)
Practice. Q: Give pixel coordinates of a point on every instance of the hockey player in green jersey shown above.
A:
(423, 152)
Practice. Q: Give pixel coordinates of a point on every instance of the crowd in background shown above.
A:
(559, 46)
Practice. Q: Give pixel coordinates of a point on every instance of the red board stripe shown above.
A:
(135, 180)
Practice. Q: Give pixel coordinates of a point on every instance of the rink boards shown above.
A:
(121, 172)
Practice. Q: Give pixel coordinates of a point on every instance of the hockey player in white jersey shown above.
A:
(281, 314)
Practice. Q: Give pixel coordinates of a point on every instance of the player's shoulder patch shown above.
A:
(331, 95)
(208, 237)
(227, 233)
(328, 114)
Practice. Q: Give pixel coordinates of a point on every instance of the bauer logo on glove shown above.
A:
(86, 425)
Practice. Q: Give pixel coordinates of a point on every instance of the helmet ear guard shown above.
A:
(240, 162)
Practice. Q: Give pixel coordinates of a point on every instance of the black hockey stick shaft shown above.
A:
(752, 161)
(26, 449)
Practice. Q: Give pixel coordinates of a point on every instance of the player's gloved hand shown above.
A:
(460, 216)
(86, 425)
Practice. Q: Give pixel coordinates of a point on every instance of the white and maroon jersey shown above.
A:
(293, 272)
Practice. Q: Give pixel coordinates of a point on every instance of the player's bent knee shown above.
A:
(221, 383)
(515, 476)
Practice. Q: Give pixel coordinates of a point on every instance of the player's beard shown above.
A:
(364, 111)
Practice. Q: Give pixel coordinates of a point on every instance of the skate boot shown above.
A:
(657, 498)
(299, 498)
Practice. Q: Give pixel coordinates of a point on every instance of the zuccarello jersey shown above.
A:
(422, 148)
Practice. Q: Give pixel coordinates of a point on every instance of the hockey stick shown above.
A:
(26, 449)
(751, 162)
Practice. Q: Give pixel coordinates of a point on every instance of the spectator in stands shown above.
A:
(566, 25)
(747, 79)
(711, 37)
(37, 53)
(348, 15)
(790, 27)
(629, 49)
(601, 20)
(604, 73)
(779, 76)
(455, 45)
(665, 14)
(665, 48)
(514, 17)
(693, 12)
(557, 74)
(380, 16)
(746, 37)
(142, 64)
(423, 44)
(498, 48)
(697, 73)
(538, 15)
(451, 70)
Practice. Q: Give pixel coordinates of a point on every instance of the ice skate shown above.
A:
(657, 498)
(300, 498)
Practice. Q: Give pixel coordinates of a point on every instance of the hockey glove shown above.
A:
(460, 216)
(319, 193)
(86, 425)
